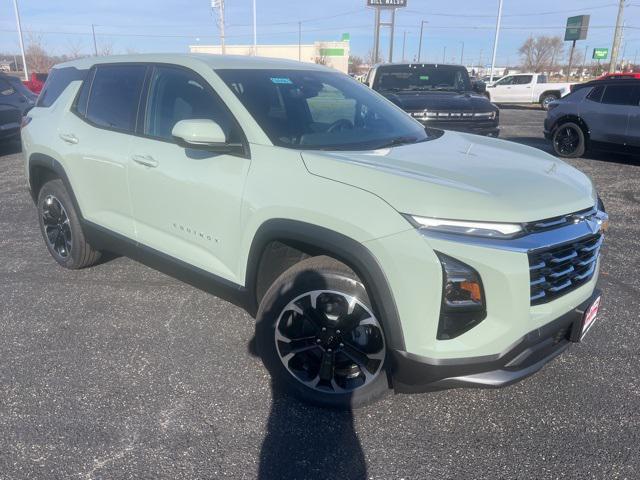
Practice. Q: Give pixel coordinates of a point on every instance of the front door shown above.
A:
(522, 89)
(187, 201)
(500, 91)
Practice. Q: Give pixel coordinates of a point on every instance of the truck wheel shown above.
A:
(547, 98)
(319, 337)
(61, 229)
(569, 141)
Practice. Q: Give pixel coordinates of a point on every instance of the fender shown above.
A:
(321, 240)
(40, 160)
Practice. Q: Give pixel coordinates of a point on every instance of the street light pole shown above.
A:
(255, 30)
(24, 57)
(495, 42)
(420, 44)
(462, 54)
(404, 44)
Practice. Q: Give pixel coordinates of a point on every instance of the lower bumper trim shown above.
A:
(412, 373)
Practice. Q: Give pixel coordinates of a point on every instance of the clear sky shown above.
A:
(172, 25)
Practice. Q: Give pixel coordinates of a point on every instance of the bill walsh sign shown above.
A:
(387, 3)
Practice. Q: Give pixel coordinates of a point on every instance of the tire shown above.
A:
(61, 229)
(343, 366)
(547, 98)
(569, 140)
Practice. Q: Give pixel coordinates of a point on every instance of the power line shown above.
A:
(532, 14)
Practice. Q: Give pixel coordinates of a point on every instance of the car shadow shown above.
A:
(10, 147)
(523, 106)
(303, 441)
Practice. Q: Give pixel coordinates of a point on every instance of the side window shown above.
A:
(83, 97)
(115, 93)
(620, 95)
(542, 79)
(176, 94)
(330, 106)
(57, 82)
(523, 79)
(6, 89)
(505, 81)
(595, 95)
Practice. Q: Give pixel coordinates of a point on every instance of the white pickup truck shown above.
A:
(526, 88)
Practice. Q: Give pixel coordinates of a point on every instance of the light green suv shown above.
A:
(373, 252)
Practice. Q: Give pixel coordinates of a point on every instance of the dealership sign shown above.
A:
(387, 3)
(577, 28)
(600, 53)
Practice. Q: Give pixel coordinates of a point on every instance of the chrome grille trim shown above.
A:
(566, 267)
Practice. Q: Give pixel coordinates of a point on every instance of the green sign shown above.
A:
(332, 52)
(600, 53)
(346, 37)
(577, 28)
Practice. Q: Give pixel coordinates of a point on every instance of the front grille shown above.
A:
(558, 270)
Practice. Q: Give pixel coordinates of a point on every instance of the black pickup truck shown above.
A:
(441, 96)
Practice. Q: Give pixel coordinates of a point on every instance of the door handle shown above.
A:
(69, 138)
(146, 160)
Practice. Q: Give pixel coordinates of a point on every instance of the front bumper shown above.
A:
(491, 128)
(414, 373)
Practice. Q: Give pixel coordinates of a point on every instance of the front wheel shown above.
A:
(569, 141)
(319, 337)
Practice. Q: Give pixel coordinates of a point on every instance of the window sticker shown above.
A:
(281, 81)
(424, 77)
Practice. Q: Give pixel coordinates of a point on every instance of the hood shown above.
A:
(462, 177)
(440, 101)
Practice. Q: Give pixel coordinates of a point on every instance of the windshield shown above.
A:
(422, 77)
(309, 109)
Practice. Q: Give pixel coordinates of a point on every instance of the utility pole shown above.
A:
(495, 42)
(420, 44)
(584, 61)
(255, 30)
(462, 54)
(95, 44)
(444, 54)
(299, 41)
(616, 38)
(404, 44)
(24, 57)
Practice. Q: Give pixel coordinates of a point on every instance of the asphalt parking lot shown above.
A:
(118, 371)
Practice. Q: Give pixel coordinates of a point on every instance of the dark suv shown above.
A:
(602, 114)
(15, 101)
(441, 96)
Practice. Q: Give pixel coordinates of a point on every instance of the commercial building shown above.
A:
(331, 54)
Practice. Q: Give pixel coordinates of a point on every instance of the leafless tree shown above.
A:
(106, 49)
(75, 49)
(541, 53)
(355, 64)
(38, 60)
(370, 60)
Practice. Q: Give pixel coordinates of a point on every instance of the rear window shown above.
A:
(620, 95)
(57, 81)
(114, 97)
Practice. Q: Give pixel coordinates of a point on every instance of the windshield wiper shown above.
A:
(398, 141)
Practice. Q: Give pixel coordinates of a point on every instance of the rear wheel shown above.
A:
(61, 229)
(547, 98)
(319, 337)
(569, 141)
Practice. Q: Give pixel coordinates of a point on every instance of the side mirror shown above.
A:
(479, 86)
(199, 133)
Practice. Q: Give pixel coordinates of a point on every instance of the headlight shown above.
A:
(463, 304)
(462, 227)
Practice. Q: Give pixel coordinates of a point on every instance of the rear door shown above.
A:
(96, 139)
(607, 110)
(633, 125)
(187, 201)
